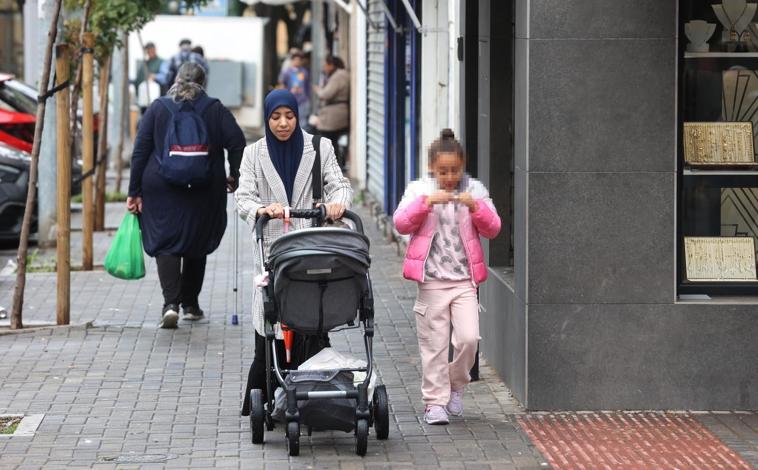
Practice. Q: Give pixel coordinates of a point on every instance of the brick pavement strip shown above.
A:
(117, 392)
(628, 440)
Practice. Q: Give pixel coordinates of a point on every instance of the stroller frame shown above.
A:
(367, 413)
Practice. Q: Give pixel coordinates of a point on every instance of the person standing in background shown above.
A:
(334, 103)
(148, 71)
(296, 80)
(185, 54)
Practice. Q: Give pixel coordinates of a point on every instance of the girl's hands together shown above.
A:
(439, 197)
(468, 200)
(443, 197)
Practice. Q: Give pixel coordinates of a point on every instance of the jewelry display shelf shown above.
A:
(721, 55)
(721, 172)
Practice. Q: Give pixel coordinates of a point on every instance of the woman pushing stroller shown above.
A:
(445, 214)
(276, 172)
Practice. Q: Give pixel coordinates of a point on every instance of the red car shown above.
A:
(18, 105)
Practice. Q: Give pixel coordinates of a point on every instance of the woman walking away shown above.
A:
(276, 172)
(178, 184)
(445, 214)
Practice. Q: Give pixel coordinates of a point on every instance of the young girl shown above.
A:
(445, 214)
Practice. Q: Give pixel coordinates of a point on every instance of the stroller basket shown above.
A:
(319, 278)
(325, 414)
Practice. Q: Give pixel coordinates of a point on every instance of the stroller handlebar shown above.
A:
(318, 213)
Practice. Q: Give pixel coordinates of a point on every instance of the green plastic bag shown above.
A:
(125, 258)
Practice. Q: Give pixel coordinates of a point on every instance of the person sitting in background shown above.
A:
(296, 80)
(334, 105)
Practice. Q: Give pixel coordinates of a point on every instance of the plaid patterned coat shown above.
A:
(260, 185)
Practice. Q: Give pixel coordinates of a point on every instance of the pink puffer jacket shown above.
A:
(413, 216)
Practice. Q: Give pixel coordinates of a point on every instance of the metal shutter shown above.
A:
(375, 101)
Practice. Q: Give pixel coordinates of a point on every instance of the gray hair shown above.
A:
(189, 83)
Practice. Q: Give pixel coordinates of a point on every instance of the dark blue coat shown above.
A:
(176, 220)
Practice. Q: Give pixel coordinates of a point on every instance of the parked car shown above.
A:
(17, 129)
(18, 111)
(14, 181)
(18, 105)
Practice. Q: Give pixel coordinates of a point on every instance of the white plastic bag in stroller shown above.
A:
(326, 359)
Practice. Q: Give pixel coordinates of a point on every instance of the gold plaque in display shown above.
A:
(720, 258)
(718, 143)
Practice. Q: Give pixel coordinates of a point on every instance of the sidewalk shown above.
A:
(117, 392)
(122, 393)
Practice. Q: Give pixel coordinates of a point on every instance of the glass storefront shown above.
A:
(717, 146)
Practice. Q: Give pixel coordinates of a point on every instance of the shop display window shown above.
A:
(717, 148)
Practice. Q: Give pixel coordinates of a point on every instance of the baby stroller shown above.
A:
(318, 281)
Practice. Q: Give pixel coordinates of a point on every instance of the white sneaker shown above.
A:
(170, 317)
(435, 414)
(455, 405)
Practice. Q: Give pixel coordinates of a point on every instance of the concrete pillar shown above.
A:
(317, 43)
(435, 75)
(46, 206)
(358, 95)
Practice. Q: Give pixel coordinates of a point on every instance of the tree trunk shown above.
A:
(18, 293)
(78, 81)
(88, 154)
(102, 147)
(63, 229)
(124, 113)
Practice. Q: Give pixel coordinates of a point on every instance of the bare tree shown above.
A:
(78, 80)
(124, 113)
(23, 246)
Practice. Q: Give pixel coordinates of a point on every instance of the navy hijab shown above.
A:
(285, 155)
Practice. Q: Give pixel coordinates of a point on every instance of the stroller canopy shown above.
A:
(337, 241)
(319, 276)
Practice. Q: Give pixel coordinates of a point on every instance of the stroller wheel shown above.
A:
(381, 413)
(361, 437)
(257, 415)
(293, 438)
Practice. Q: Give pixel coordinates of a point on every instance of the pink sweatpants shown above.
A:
(439, 304)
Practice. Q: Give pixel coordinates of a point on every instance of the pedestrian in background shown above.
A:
(445, 214)
(185, 55)
(334, 103)
(275, 173)
(182, 225)
(147, 72)
(296, 79)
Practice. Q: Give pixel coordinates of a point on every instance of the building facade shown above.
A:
(624, 276)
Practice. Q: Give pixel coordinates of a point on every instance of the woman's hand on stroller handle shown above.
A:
(320, 213)
(264, 215)
(334, 210)
(274, 211)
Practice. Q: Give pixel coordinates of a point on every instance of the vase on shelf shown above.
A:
(698, 32)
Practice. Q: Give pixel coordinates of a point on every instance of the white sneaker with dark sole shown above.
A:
(193, 314)
(170, 318)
